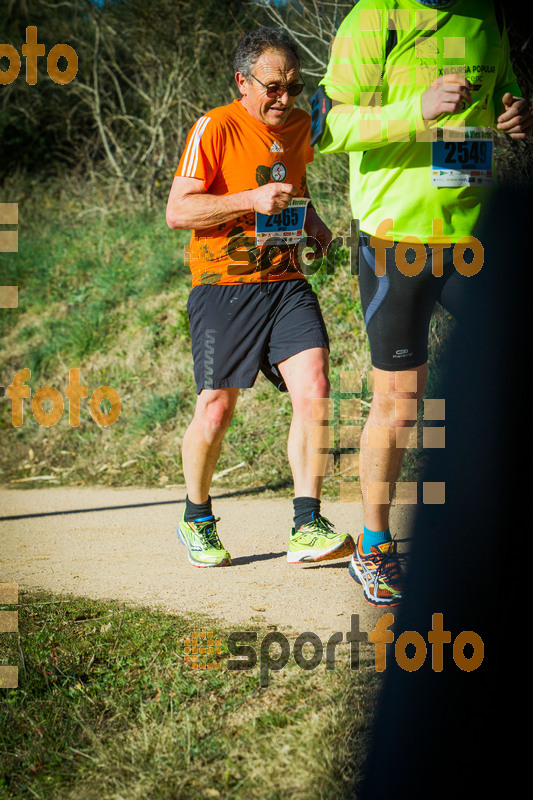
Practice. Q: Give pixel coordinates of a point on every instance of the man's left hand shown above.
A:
(517, 119)
(316, 229)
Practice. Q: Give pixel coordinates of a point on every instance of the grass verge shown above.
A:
(103, 289)
(108, 707)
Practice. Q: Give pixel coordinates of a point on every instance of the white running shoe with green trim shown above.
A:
(204, 548)
(318, 541)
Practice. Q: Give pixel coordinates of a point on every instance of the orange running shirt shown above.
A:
(231, 151)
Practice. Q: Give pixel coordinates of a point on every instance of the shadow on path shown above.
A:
(235, 562)
(237, 493)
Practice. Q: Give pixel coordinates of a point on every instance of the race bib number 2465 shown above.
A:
(288, 225)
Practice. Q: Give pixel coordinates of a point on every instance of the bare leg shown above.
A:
(306, 377)
(203, 440)
(381, 453)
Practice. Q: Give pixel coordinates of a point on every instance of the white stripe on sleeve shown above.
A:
(190, 162)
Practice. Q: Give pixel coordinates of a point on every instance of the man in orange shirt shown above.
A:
(241, 187)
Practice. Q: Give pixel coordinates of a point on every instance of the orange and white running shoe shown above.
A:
(379, 573)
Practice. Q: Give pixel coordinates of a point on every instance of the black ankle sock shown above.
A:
(197, 510)
(304, 508)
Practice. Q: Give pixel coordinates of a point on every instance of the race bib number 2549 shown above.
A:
(463, 163)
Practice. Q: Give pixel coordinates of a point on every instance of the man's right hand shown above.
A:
(271, 198)
(445, 96)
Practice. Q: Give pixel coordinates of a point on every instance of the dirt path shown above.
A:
(121, 544)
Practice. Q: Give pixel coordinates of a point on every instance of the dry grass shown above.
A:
(107, 707)
(109, 298)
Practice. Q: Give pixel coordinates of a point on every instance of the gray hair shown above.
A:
(254, 43)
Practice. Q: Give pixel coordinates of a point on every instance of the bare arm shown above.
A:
(315, 227)
(191, 207)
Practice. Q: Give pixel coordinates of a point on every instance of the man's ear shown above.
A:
(241, 83)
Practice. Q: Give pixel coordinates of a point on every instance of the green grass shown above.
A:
(80, 284)
(103, 288)
(108, 707)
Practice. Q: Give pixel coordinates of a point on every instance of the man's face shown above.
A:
(272, 67)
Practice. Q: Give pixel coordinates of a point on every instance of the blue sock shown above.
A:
(374, 538)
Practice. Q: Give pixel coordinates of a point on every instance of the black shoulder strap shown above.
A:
(499, 15)
(392, 41)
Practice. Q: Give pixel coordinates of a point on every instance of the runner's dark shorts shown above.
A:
(397, 308)
(238, 330)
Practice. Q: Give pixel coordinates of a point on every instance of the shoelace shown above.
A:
(208, 533)
(324, 525)
(389, 565)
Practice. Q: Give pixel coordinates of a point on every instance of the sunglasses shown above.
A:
(279, 89)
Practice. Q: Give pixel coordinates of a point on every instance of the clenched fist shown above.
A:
(272, 197)
(516, 119)
(445, 96)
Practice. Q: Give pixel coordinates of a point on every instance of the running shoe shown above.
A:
(318, 541)
(203, 545)
(379, 573)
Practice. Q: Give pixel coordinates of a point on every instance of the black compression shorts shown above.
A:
(238, 330)
(397, 308)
